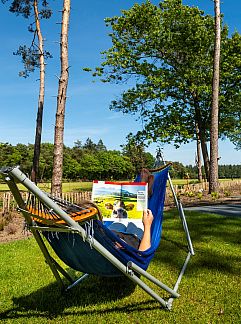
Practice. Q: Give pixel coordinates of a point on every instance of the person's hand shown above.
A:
(147, 218)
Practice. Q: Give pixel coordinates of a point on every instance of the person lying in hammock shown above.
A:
(133, 235)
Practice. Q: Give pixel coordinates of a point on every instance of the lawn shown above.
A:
(210, 289)
(67, 186)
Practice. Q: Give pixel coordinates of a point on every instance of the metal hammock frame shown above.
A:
(60, 220)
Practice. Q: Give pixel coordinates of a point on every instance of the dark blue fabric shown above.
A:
(80, 256)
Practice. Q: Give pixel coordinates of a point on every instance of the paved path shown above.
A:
(230, 209)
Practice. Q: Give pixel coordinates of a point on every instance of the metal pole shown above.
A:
(20, 176)
(173, 191)
(77, 281)
(139, 270)
(170, 300)
(189, 241)
(181, 213)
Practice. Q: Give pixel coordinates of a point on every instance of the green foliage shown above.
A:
(97, 162)
(30, 54)
(90, 161)
(25, 8)
(214, 195)
(178, 170)
(229, 171)
(135, 150)
(199, 195)
(190, 194)
(235, 134)
(227, 193)
(166, 51)
(30, 59)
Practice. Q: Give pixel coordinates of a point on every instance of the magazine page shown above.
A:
(120, 201)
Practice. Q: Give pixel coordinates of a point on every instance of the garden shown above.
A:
(210, 288)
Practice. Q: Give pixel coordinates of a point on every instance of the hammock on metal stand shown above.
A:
(83, 242)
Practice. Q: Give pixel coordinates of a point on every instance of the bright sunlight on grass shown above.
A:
(210, 289)
(67, 186)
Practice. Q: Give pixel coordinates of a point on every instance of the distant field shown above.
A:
(67, 186)
(87, 186)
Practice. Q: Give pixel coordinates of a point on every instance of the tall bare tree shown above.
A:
(39, 121)
(34, 57)
(56, 187)
(213, 181)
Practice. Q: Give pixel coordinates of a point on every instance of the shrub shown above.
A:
(214, 195)
(190, 194)
(199, 195)
(227, 193)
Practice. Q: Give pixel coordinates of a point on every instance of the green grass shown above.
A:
(67, 186)
(210, 289)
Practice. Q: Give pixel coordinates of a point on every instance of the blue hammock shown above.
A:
(90, 247)
(80, 256)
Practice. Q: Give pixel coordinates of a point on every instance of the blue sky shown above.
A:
(87, 110)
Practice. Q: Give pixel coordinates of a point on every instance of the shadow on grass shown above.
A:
(215, 239)
(201, 224)
(223, 229)
(210, 234)
(20, 313)
(213, 262)
(95, 291)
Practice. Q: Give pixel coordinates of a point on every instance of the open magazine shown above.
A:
(120, 201)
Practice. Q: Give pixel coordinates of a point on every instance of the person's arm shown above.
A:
(146, 239)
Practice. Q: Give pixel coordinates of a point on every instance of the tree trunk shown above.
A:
(56, 187)
(39, 120)
(202, 137)
(213, 183)
(199, 160)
